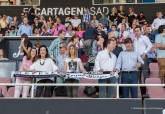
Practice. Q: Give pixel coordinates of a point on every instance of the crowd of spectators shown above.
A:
(86, 38)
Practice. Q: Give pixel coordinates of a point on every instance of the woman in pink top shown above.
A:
(80, 32)
(25, 65)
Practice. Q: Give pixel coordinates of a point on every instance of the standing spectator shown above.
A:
(60, 61)
(25, 44)
(25, 28)
(131, 15)
(121, 14)
(160, 46)
(55, 45)
(105, 62)
(62, 56)
(113, 16)
(158, 21)
(129, 74)
(89, 36)
(142, 46)
(44, 64)
(25, 66)
(31, 15)
(73, 64)
(148, 32)
(86, 18)
(141, 17)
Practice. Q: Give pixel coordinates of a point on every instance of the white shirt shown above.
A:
(142, 45)
(157, 22)
(73, 65)
(75, 22)
(46, 65)
(125, 34)
(104, 61)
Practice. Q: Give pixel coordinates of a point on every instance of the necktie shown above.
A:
(109, 55)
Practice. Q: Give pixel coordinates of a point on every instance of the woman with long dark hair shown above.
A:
(25, 66)
(44, 64)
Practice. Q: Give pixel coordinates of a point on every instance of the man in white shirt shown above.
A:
(158, 21)
(142, 45)
(105, 62)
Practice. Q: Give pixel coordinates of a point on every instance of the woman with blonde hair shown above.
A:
(73, 64)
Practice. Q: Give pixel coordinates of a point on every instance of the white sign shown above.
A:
(69, 11)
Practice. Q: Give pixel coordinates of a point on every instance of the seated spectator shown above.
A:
(148, 32)
(25, 66)
(49, 22)
(113, 32)
(45, 31)
(94, 21)
(69, 31)
(120, 24)
(104, 21)
(44, 64)
(36, 32)
(73, 64)
(54, 30)
(12, 31)
(123, 33)
(158, 21)
(60, 26)
(67, 21)
(80, 32)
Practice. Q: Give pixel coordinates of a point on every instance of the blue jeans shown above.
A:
(129, 78)
(108, 91)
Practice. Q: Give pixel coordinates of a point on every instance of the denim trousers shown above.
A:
(109, 91)
(129, 78)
